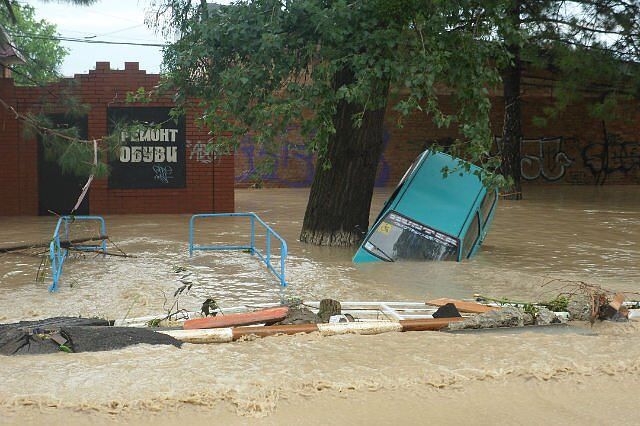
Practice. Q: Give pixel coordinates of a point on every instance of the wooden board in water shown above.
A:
(462, 306)
(268, 316)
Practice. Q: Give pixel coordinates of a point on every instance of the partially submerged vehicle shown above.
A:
(430, 216)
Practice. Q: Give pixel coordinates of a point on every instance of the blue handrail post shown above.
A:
(103, 231)
(283, 256)
(191, 235)
(58, 254)
(253, 235)
(54, 267)
(268, 247)
(66, 229)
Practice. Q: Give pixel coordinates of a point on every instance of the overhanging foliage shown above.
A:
(260, 65)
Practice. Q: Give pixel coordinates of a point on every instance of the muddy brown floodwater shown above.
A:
(581, 375)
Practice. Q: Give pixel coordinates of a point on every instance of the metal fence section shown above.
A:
(265, 255)
(58, 249)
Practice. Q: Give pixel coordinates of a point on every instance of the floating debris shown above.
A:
(46, 244)
(505, 317)
(263, 316)
(328, 308)
(300, 315)
(327, 317)
(70, 334)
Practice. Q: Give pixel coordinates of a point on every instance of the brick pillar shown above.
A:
(9, 154)
(223, 184)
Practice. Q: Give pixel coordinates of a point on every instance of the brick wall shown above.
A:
(209, 182)
(11, 198)
(571, 149)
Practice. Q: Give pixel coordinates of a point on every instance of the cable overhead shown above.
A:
(82, 40)
(120, 30)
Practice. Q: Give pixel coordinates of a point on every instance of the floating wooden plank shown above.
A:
(212, 335)
(267, 316)
(427, 324)
(228, 334)
(273, 330)
(462, 306)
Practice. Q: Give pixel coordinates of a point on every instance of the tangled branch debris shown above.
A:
(598, 302)
(209, 307)
(584, 301)
(42, 244)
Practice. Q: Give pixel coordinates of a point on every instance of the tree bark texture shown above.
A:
(510, 144)
(340, 199)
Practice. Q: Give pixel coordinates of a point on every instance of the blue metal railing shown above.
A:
(265, 257)
(58, 252)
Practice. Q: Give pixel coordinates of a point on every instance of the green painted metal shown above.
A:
(438, 211)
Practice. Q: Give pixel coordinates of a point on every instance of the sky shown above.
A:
(111, 20)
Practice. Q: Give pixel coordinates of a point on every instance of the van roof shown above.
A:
(442, 203)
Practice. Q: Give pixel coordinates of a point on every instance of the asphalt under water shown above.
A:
(569, 233)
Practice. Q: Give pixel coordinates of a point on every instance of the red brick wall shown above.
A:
(11, 198)
(209, 182)
(571, 149)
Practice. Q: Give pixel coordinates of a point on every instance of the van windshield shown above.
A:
(398, 237)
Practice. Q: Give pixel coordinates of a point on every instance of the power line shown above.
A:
(120, 30)
(80, 40)
(92, 35)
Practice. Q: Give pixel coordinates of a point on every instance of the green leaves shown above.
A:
(33, 39)
(261, 65)
(139, 95)
(593, 50)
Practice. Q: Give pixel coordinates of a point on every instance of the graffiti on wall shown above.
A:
(292, 166)
(544, 158)
(614, 155)
(541, 158)
(290, 156)
(198, 151)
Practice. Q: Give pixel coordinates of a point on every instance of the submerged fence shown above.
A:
(61, 244)
(264, 255)
(58, 249)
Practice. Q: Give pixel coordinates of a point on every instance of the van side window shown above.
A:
(470, 238)
(487, 202)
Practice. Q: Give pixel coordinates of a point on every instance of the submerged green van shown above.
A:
(431, 217)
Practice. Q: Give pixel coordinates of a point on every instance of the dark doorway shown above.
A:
(57, 191)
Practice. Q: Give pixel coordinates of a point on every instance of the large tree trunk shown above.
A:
(338, 208)
(512, 131)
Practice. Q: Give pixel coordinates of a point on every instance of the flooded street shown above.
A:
(588, 234)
